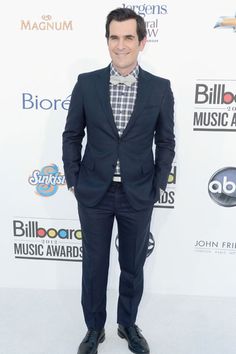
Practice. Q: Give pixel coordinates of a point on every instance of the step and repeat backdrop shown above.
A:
(44, 46)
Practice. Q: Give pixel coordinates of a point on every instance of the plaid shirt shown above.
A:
(122, 99)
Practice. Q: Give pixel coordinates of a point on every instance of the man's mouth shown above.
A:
(121, 54)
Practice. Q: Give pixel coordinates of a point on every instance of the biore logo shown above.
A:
(222, 187)
(46, 24)
(33, 230)
(151, 244)
(149, 9)
(47, 180)
(30, 101)
(215, 94)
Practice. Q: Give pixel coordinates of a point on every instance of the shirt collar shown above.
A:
(134, 72)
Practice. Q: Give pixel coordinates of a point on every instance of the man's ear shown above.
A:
(142, 43)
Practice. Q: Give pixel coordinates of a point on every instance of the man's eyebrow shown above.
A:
(126, 36)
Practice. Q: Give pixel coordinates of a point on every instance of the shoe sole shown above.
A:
(101, 340)
(121, 335)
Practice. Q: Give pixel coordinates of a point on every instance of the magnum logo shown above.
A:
(46, 24)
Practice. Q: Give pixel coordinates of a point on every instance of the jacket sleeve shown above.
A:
(73, 135)
(165, 139)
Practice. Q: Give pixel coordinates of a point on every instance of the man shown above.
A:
(123, 108)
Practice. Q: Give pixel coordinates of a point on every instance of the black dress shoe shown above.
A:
(136, 341)
(89, 344)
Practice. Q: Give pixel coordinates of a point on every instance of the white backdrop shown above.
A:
(44, 46)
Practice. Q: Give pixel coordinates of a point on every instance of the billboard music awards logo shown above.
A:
(222, 187)
(46, 23)
(215, 106)
(47, 180)
(34, 102)
(151, 14)
(226, 22)
(45, 239)
(167, 199)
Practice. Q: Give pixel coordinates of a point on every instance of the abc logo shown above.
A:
(222, 187)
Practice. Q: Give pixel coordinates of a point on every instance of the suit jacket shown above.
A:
(143, 173)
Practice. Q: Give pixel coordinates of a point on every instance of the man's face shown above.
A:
(124, 46)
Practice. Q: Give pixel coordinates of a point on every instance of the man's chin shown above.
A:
(121, 65)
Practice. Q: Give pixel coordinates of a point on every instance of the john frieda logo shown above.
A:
(46, 239)
(215, 105)
(47, 180)
(151, 14)
(214, 246)
(222, 187)
(46, 23)
(226, 22)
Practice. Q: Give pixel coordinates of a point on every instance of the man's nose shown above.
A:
(121, 44)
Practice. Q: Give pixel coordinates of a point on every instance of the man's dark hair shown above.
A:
(123, 14)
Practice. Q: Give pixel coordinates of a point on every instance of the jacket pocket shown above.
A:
(88, 163)
(147, 167)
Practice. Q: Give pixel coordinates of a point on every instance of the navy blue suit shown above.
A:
(143, 174)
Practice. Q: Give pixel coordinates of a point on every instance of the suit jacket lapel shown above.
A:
(104, 95)
(102, 86)
(143, 92)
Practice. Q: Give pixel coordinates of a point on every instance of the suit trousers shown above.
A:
(133, 230)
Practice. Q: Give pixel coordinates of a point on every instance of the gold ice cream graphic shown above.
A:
(226, 22)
